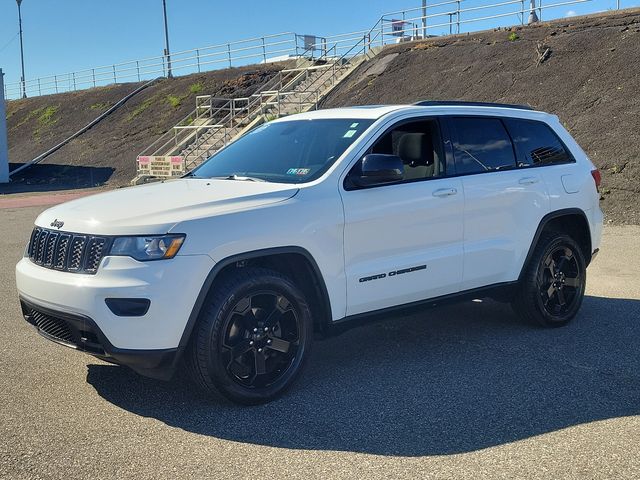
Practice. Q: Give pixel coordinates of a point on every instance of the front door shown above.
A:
(404, 242)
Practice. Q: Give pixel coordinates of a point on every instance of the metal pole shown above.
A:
(424, 18)
(4, 146)
(167, 53)
(24, 88)
(533, 18)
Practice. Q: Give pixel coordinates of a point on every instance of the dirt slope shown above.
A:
(105, 155)
(591, 80)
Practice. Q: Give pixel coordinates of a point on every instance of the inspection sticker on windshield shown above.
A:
(349, 134)
(298, 171)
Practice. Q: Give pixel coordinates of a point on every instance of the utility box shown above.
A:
(4, 146)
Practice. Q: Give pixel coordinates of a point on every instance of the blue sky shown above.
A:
(66, 35)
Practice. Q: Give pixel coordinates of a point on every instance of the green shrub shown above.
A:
(513, 36)
(196, 88)
(174, 100)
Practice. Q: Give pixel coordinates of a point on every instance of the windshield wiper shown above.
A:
(241, 178)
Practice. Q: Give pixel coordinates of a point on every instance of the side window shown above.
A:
(481, 145)
(419, 145)
(536, 143)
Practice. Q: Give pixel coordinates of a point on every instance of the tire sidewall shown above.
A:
(219, 375)
(547, 318)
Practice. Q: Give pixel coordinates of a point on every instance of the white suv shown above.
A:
(308, 223)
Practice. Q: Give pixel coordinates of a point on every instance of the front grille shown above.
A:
(53, 327)
(65, 251)
(70, 330)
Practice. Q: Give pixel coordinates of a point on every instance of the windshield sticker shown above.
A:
(298, 171)
(349, 134)
(354, 125)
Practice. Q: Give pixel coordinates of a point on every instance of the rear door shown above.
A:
(403, 242)
(503, 204)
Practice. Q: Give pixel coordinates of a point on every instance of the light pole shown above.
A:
(4, 149)
(424, 19)
(533, 18)
(24, 90)
(167, 54)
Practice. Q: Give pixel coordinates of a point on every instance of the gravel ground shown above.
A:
(465, 391)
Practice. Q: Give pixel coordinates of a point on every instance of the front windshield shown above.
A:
(294, 151)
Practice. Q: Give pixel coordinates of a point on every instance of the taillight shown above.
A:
(596, 178)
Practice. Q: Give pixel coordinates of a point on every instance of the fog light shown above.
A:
(128, 307)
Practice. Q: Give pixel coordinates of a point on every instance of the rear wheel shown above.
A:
(252, 338)
(552, 287)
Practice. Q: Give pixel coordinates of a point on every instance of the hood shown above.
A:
(157, 207)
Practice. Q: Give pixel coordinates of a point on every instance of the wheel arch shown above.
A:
(572, 221)
(296, 262)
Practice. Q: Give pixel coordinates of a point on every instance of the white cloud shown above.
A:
(570, 13)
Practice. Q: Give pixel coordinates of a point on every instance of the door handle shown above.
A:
(528, 180)
(444, 192)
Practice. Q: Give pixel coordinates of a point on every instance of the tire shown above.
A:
(552, 286)
(252, 338)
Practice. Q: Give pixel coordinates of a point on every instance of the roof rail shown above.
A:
(448, 103)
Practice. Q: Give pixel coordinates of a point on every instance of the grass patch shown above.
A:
(44, 116)
(196, 88)
(174, 100)
(47, 116)
(101, 106)
(513, 36)
(140, 109)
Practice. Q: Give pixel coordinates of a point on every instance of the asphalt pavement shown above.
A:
(463, 391)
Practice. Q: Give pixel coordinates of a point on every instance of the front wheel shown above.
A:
(252, 338)
(553, 284)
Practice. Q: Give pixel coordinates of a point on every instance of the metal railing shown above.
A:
(211, 110)
(442, 18)
(243, 52)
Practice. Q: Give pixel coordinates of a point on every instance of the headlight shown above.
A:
(152, 247)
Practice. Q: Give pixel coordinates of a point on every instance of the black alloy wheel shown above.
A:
(552, 285)
(261, 339)
(559, 281)
(252, 338)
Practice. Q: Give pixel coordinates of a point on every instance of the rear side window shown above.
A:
(536, 144)
(481, 145)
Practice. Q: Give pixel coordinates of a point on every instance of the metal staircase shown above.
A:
(217, 121)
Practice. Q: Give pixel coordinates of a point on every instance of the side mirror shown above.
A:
(377, 169)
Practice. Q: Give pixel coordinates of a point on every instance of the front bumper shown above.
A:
(172, 287)
(82, 333)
